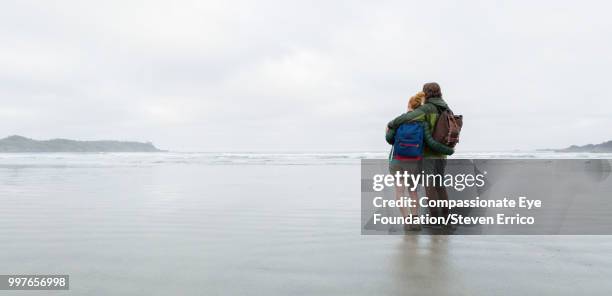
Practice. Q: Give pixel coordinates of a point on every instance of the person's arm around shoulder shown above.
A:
(435, 145)
(390, 136)
(411, 116)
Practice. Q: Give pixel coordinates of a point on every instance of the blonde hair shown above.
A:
(416, 100)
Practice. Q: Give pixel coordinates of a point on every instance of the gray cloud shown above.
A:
(274, 75)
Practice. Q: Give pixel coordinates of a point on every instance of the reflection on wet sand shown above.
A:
(422, 265)
(501, 265)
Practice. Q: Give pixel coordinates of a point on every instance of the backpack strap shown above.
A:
(441, 109)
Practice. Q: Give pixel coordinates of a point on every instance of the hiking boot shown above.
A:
(448, 228)
(411, 227)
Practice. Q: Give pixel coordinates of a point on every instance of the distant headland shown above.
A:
(605, 147)
(22, 144)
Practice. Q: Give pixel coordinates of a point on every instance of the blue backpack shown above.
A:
(408, 143)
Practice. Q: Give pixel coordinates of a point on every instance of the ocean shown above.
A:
(256, 223)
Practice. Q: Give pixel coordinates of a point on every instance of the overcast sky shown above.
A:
(303, 76)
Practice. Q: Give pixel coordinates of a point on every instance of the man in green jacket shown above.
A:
(434, 152)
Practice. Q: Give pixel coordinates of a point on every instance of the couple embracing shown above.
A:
(422, 138)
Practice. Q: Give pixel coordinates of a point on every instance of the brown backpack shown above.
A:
(447, 129)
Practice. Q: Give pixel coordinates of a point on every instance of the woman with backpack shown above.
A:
(406, 156)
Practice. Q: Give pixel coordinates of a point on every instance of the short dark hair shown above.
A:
(432, 90)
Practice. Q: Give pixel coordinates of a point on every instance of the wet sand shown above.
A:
(185, 229)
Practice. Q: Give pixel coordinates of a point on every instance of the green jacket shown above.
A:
(428, 112)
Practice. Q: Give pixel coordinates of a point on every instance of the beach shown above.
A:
(236, 224)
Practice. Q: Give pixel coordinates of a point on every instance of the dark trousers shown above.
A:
(436, 166)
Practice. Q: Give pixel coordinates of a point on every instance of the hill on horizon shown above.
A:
(605, 147)
(17, 144)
